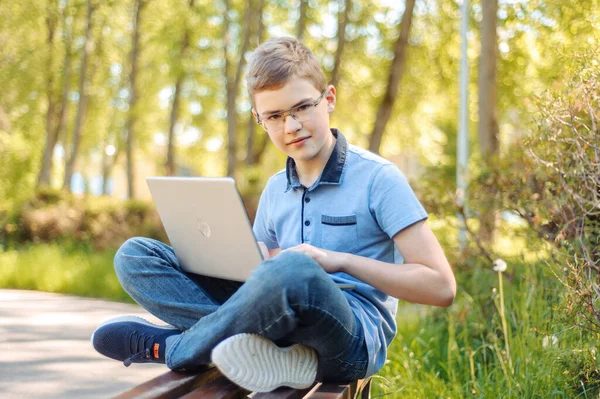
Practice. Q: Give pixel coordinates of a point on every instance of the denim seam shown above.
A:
(285, 314)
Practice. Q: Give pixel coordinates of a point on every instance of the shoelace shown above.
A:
(145, 354)
(143, 349)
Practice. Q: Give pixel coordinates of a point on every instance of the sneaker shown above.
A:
(257, 364)
(132, 339)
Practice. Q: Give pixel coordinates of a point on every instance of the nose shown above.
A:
(290, 124)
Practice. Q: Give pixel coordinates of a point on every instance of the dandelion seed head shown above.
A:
(499, 265)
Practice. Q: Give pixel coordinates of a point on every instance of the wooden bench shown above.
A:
(211, 384)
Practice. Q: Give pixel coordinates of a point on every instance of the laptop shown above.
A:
(208, 226)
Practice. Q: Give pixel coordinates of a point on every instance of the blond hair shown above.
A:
(275, 61)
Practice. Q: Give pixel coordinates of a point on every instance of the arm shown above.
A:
(425, 277)
(266, 252)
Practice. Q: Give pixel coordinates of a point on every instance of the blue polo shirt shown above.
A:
(356, 206)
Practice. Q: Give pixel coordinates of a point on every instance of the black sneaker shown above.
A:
(132, 339)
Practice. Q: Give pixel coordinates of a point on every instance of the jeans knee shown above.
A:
(291, 269)
(124, 266)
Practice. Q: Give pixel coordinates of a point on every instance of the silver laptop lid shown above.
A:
(207, 225)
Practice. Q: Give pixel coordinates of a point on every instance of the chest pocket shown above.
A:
(339, 233)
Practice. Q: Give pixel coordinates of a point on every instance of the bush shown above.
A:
(564, 207)
(102, 223)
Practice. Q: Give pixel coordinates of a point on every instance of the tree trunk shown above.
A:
(231, 119)
(341, 33)
(132, 116)
(396, 70)
(489, 142)
(66, 87)
(46, 169)
(170, 163)
(44, 174)
(301, 26)
(488, 124)
(82, 106)
(252, 158)
(107, 168)
(233, 84)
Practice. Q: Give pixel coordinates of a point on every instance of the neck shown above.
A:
(310, 170)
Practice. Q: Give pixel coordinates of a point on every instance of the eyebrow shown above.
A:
(293, 106)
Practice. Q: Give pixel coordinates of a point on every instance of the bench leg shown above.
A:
(366, 392)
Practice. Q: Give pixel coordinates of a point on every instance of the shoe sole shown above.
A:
(135, 319)
(257, 364)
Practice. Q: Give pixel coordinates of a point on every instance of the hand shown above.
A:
(331, 261)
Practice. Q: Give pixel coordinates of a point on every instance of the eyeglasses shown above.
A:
(301, 113)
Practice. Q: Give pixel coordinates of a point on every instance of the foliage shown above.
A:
(423, 122)
(100, 223)
(461, 352)
(544, 183)
(551, 182)
(567, 148)
(17, 176)
(72, 268)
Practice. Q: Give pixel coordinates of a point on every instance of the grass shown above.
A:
(464, 351)
(64, 268)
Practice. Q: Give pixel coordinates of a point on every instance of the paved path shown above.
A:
(45, 349)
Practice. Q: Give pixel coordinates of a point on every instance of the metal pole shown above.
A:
(463, 127)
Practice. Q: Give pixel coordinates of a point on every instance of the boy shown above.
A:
(337, 214)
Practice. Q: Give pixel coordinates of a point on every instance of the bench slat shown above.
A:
(210, 384)
(283, 393)
(170, 385)
(220, 388)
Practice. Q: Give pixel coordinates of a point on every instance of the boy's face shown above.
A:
(304, 140)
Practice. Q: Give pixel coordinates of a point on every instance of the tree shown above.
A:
(66, 86)
(132, 116)
(253, 151)
(395, 74)
(44, 175)
(83, 97)
(233, 81)
(181, 74)
(301, 25)
(488, 123)
(343, 13)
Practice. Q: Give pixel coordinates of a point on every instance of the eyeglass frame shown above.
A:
(289, 111)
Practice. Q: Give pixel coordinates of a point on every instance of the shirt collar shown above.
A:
(331, 174)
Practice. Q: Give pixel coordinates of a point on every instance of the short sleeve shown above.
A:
(263, 226)
(392, 201)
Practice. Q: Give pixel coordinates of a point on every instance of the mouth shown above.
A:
(298, 140)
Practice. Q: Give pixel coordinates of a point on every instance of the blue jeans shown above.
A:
(288, 299)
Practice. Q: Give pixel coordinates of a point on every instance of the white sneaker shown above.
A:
(257, 364)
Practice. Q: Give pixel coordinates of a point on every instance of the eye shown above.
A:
(274, 117)
(303, 107)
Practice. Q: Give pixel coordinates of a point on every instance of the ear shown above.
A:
(255, 115)
(331, 98)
